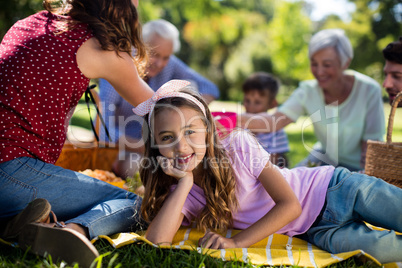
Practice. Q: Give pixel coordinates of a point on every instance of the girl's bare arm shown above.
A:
(286, 209)
(168, 220)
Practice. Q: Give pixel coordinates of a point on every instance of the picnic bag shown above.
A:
(79, 156)
(384, 159)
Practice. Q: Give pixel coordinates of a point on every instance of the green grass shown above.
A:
(137, 255)
(81, 116)
(143, 255)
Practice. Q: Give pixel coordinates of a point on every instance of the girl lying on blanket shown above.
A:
(191, 175)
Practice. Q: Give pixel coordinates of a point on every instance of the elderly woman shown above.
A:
(344, 106)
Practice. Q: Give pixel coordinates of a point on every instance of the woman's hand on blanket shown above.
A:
(216, 241)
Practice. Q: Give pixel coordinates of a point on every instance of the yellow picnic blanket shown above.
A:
(274, 250)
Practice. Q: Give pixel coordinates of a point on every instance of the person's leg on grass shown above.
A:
(384, 246)
(36, 211)
(71, 195)
(31, 229)
(351, 200)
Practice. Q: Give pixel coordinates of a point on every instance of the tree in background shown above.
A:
(13, 10)
(220, 39)
(290, 31)
(227, 45)
(230, 39)
(226, 40)
(373, 25)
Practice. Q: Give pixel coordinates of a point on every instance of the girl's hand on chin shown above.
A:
(167, 166)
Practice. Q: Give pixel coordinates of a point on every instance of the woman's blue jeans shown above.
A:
(353, 198)
(75, 198)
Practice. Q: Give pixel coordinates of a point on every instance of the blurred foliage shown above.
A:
(13, 10)
(289, 32)
(226, 40)
(229, 39)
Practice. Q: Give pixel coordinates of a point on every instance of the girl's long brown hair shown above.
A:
(114, 23)
(218, 180)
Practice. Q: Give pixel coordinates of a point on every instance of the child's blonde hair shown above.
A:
(218, 180)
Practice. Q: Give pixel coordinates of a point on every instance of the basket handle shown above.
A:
(93, 96)
(395, 103)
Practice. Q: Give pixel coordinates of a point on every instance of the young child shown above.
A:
(191, 175)
(260, 90)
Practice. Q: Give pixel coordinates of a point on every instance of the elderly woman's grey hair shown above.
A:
(164, 29)
(332, 38)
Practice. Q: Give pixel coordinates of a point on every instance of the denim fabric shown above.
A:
(351, 199)
(75, 198)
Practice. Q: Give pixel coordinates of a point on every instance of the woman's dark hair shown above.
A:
(393, 51)
(114, 23)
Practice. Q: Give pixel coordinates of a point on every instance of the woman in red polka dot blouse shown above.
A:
(46, 62)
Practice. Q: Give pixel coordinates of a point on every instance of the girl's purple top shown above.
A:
(248, 159)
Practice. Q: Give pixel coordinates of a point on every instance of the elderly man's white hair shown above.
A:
(164, 29)
(332, 38)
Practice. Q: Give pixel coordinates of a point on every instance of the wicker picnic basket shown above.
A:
(79, 156)
(384, 159)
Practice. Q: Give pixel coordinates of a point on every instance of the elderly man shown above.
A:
(393, 69)
(124, 126)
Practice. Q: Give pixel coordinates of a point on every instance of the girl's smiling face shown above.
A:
(180, 135)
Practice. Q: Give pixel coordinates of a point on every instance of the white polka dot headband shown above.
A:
(167, 90)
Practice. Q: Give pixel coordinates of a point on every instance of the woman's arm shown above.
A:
(287, 208)
(118, 69)
(263, 122)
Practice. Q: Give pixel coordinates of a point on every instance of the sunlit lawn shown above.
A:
(142, 255)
